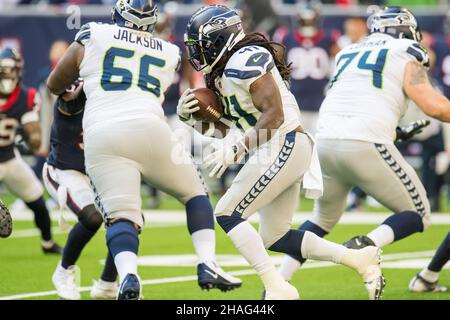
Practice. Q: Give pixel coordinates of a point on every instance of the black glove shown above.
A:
(406, 133)
(21, 142)
(76, 105)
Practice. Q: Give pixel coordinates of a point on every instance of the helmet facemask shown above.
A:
(10, 75)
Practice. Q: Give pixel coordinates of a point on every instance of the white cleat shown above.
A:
(367, 262)
(104, 290)
(286, 291)
(419, 284)
(65, 283)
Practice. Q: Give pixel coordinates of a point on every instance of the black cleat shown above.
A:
(130, 289)
(5, 221)
(211, 276)
(54, 249)
(359, 242)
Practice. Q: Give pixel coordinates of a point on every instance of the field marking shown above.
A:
(244, 272)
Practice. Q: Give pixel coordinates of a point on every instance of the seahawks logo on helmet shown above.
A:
(396, 21)
(135, 14)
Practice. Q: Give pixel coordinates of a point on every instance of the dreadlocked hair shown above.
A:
(277, 50)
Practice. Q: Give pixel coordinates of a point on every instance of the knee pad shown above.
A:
(90, 218)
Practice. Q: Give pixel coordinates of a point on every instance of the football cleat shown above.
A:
(359, 242)
(104, 290)
(53, 248)
(285, 292)
(65, 283)
(211, 276)
(367, 262)
(5, 221)
(419, 284)
(130, 289)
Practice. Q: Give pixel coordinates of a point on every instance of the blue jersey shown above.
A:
(20, 108)
(441, 47)
(66, 142)
(311, 61)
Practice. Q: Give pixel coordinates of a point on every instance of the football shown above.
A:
(211, 109)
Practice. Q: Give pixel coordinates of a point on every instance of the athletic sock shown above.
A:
(126, 262)
(251, 246)
(123, 243)
(428, 275)
(205, 245)
(441, 256)
(396, 227)
(288, 267)
(316, 248)
(199, 214)
(382, 235)
(78, 237)
(272, 279)
(41, 218)
(109, 273)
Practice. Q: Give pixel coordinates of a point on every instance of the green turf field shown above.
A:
(25, 270)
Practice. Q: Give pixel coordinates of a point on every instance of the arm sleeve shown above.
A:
(248, 65)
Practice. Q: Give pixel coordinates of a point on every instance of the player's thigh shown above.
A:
(21, 180)
(68, 187)
(271, 170)
(116, 183)
(392, 181)
(329, 208)
(276, 217)
(171, 168)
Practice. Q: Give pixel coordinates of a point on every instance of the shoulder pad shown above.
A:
(83, 36)
(249, 62)
(420, 53)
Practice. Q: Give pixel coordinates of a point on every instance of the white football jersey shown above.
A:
(365, 100)
(126, 72)
(243, 68)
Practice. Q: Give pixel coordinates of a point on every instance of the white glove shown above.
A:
(187, 105)
(225, 156)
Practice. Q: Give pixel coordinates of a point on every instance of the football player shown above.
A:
(248, 72)
(126, 72)
(427, 279)
(19, 105)
(66, 181)
(309, 49)
(5, 221)
(357, 127)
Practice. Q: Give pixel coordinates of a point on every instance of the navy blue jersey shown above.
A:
(441, 47)
(20, 108)
(310, 58)
(66, 142)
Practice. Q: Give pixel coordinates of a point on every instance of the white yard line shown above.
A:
(244, 272)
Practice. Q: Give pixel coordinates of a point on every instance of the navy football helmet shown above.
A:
(396, 21)
(211, 32)
(135, 14)
(11, 70)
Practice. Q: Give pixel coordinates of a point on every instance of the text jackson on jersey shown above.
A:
(148, 42)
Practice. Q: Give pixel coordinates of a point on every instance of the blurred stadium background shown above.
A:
(42, 29)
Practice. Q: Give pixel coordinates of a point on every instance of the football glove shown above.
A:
(187, 105)
(407, 132)
(73, 100)
(224, 156)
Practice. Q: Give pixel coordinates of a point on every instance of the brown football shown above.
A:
(211, 109)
